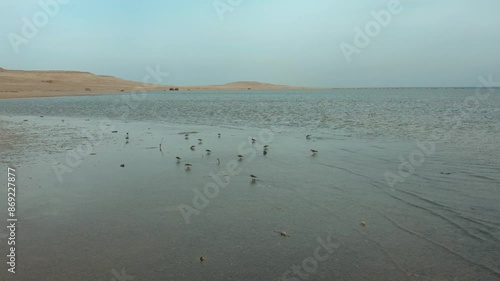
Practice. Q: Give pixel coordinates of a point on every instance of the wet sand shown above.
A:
(441, 224)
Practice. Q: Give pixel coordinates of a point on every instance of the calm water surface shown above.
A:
(411, 113)
(440, 223)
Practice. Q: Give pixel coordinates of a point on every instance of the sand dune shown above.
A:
(24, 84)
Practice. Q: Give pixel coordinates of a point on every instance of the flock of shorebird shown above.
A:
(188, 166)
(240, 157)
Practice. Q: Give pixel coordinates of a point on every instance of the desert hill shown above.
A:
(21, 83)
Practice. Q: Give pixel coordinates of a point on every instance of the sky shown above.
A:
(417, 43)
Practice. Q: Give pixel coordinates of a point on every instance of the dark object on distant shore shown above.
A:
(171, 89)
(122, 90)
(88, 90)
(176, 89)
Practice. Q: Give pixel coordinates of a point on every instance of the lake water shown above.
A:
(406, 183)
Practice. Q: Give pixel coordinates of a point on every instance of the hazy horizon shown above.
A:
(298, 43)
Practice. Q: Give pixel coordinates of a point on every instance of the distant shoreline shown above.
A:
(69, 93)
(32, 84)
(43, 84)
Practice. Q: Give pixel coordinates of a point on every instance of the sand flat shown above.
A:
(31, 84)
(108, 217)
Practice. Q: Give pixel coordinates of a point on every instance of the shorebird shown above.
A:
(186, 136)
(308, 136)
(208, 151)
(122, 165)
(218, 135)
(253, 140)
(266, 146)
(240, 156)
(254, 178)
(314, 151)
(202, 259)
(193, 147)
(178, 158)
(126, 137)
(188, 166)
(200, 141)
(265, 152)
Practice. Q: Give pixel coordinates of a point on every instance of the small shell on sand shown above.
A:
(283, 233)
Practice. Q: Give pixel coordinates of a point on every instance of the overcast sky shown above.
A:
(295, 42)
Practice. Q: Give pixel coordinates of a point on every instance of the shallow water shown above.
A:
(441, 223)
(406, 113)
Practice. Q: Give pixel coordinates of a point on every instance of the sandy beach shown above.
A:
(31, 84)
